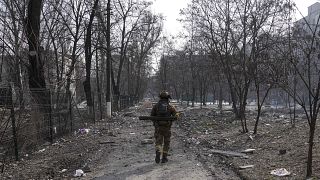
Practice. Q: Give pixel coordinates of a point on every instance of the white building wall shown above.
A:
(313, 15)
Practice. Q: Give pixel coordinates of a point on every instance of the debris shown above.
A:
(96, 131)
(248, 151)
(129, 114)
(110, 133)
(63, 170)
(280, 172)
(47, 144)
(251, 137)
(268, 124)
(132, 133)
(147, 141)
(41, 150)
(282, 151)
(278, 137)
(107, 142)
(198, 164)
(229, 153)
(84, 131)
(79, 173)
(86, 169)
(246, 166)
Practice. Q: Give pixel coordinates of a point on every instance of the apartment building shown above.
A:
(308, 23)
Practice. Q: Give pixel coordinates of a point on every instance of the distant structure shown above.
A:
(311, 19)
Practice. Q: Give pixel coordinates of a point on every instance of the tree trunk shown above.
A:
(293, 122)
(311, 138)
(88, 58)
(99, 87)
(193, 95)
(257, 120)
(220, 96)
(36, 71)
(188, 94)
(201, 94)
(108, 64)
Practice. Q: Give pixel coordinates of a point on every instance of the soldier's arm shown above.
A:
(173, 110)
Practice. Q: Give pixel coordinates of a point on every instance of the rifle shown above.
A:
(156, 118)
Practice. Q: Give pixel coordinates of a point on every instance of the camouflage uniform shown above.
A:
(162, 132)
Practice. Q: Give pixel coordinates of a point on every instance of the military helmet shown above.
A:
(164, 95)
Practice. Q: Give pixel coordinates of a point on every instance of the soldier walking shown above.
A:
(162, 132)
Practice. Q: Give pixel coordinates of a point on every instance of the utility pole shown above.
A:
(108, 66)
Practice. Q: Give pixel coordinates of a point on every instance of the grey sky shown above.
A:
(171, 8)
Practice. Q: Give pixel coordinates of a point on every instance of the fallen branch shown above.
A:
(107, 142)
(229, 153)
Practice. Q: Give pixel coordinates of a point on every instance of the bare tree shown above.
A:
(88, 57)
(72, 18)
(230, 29)
(36, 71)
(145, 39)
(13, 41)
(305, 63)
(130, 14)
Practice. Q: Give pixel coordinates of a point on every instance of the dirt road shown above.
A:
(130, 159)
(133, 160)
(112, 150)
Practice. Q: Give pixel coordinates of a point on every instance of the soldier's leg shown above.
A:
(166, 138)
(166, 146)
(158, 138)
(158, 143)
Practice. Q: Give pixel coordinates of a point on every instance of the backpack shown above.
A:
(163, 109)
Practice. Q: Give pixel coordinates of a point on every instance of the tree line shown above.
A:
(237, 51)
(63, 46)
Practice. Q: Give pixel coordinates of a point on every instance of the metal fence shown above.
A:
(127, 101)
(34, 121)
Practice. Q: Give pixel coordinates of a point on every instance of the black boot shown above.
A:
(164, 158)
(157, 157)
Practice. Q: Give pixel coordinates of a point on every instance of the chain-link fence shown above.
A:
(42, 116)
(126, 101)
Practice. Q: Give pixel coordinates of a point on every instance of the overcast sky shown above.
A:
(171, 8)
